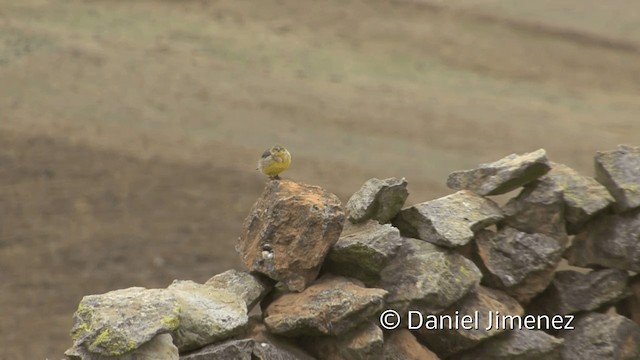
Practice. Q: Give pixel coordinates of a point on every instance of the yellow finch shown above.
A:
(274, 161)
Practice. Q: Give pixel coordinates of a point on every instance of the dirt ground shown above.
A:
(129, 131)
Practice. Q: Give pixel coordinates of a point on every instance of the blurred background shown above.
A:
(130, 130)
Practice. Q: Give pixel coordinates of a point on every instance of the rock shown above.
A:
(571, 291)
(610, 241)
(364, 252)
(481, 304)
(521, 264)
(630, 306)
(517, 345)
(331, 306)
(270, 347)
(250, 287)
(362, 343)
(599, 337)
(402, 345)
(619, 171)
(583, 196)
(161, 347)
(427, 278)
(289, 232)
(502, 176)
(118, 322)
(230, 349)
(378, 200)
(450, 220)
(538, 209)
(207, 314)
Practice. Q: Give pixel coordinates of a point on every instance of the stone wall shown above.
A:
(459, 277)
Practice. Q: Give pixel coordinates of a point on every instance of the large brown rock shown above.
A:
(289, 231)
(402, 345)
(449, 221)
(517, 345)
(331, 306)
(519, 263)
(378, 200)
(502, 176)
(619, 171)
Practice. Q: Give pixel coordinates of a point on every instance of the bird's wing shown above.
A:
(266, 154)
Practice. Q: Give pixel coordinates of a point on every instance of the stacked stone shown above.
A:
(324, 283)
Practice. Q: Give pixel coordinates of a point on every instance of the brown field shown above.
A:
(129, 130)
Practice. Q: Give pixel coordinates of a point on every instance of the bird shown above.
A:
(274, 161)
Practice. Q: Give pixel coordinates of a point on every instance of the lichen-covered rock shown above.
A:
(502, 176)
(450, 220)
(362, 343)
(630, 306)
(378, 200)
(402, 345)
(602, 336)
(250, 287)
(207, 314)
(427, 278)
(120, 321)
(619, 171)
(538, 209)
(571, 291)
(519, 263)
(609, 240)
(583, 196)
(517, 345)
(289, 232)
(478, 305)
(331, 306)
(364, 252)
(161, 347)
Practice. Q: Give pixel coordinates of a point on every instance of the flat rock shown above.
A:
(250, 287)
(377, 200)
(289, 231)
(630, 306)
(161, 347)
(364, 252)
(427, 277)
(331, 306)
(479, 304)
(362, 343)
(207, 314)
(450, 220)
(120, 321)
(538, 209)
(517, 345)
(610, 241)
(619, 171)
(519, 263)
(402, 345)
(602, 336)
(572, 291)
(502, 176)
(583, 196)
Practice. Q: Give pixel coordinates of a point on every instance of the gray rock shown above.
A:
(427, 278)
(583, 196)
(272, 347)
(521, 264)
(207, 314)
(378, 200)
(161, 347)
(481, 304)
(289, 231)
(572, 291)
(331, 306)
(502, 176)
(118, 322)
(250, 287)
(517, 345)
(450, 220)
(619, 171)
(610, 241)
(362, 343)
(230, 349)
(600, 336)
(538, 209)
(364, 252)
(630, 306)
(402, 345)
